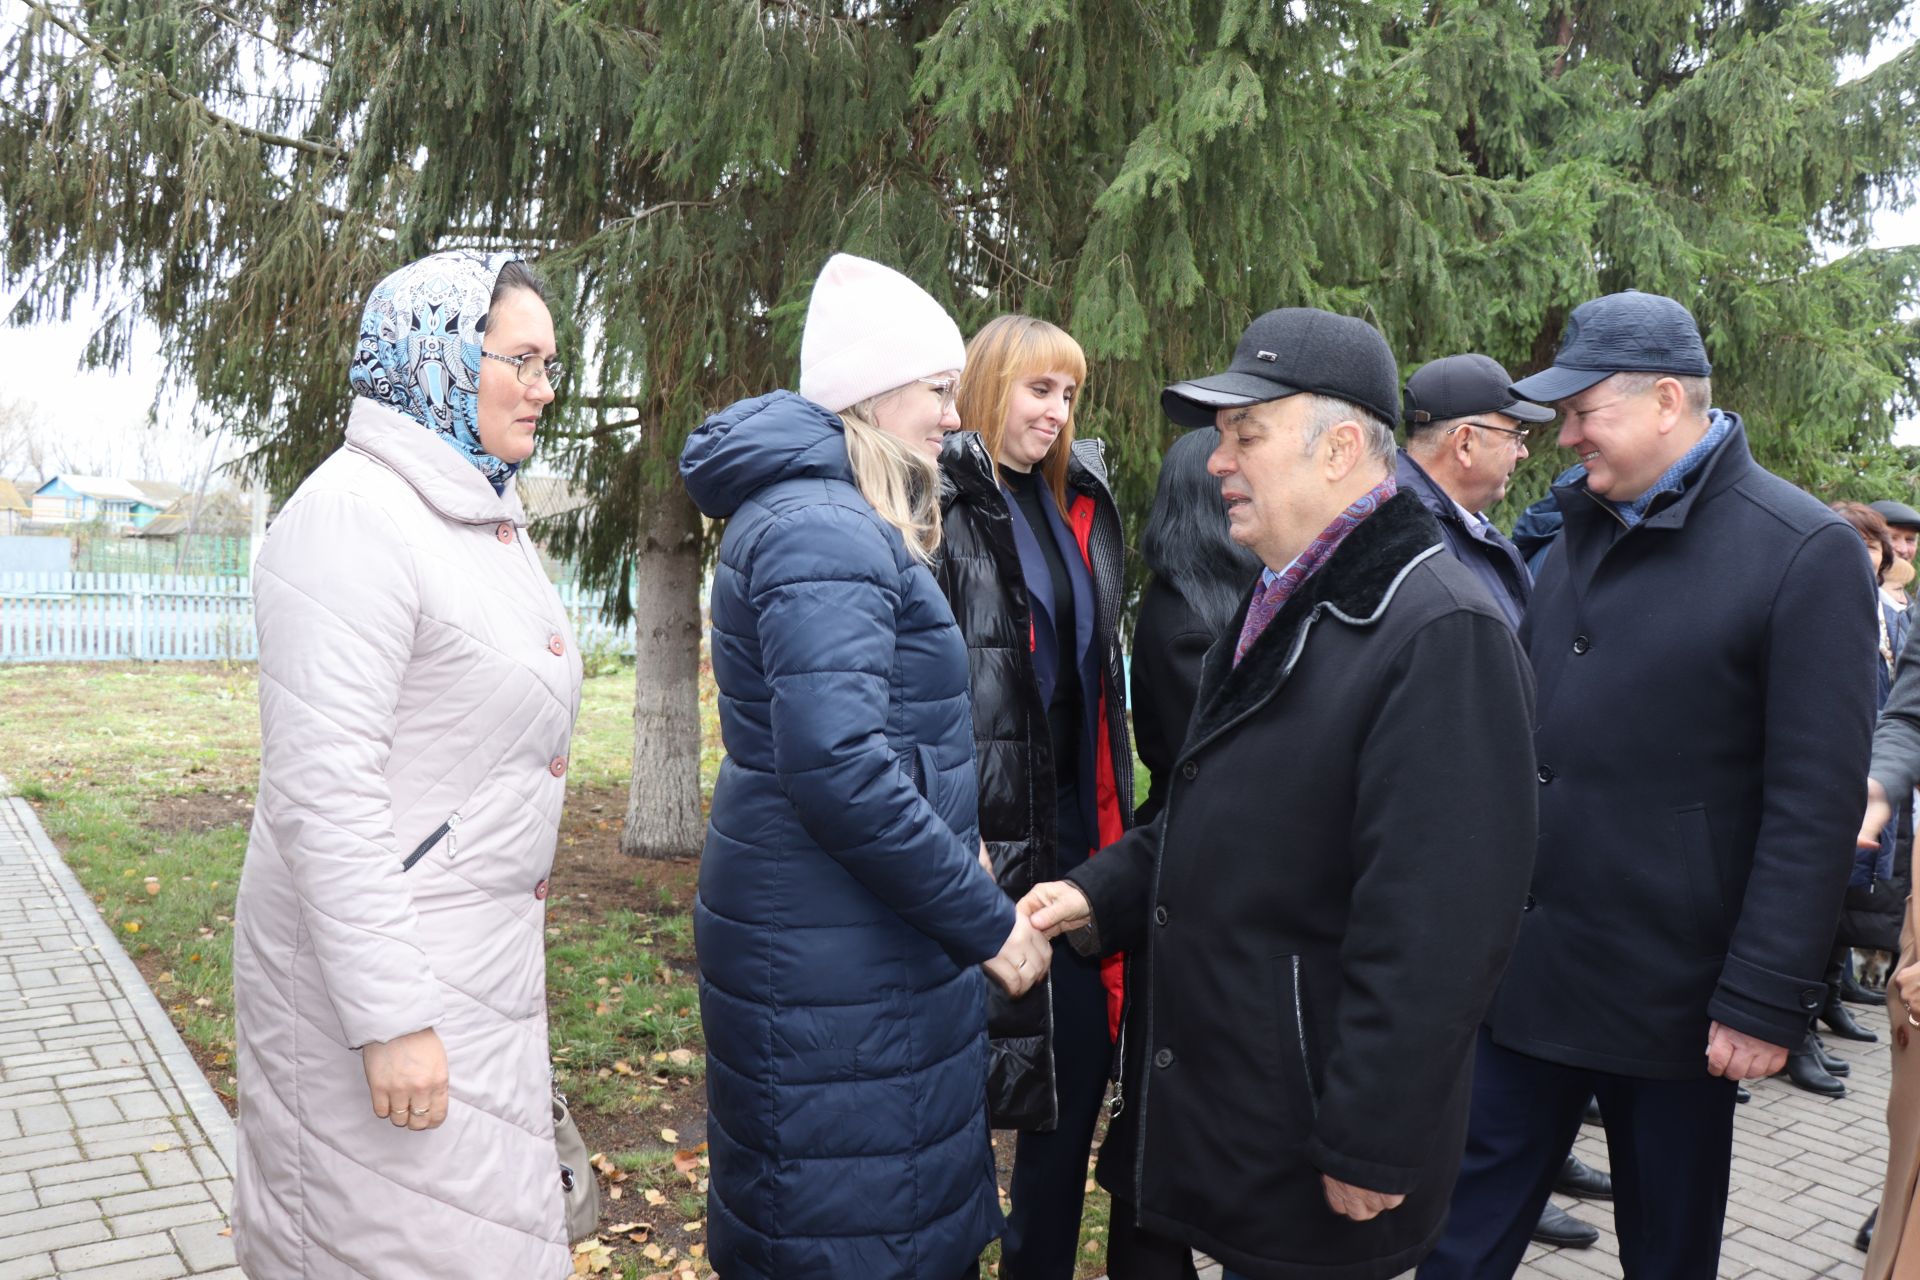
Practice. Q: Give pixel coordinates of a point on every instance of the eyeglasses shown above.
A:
(1514, 432)
(529, 369)
(945, 388)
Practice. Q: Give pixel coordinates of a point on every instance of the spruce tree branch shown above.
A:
(618, 224)
(234, 20)
(604, 429)
(179, 95)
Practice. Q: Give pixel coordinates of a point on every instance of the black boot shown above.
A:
(1805, 1071)
(1837, 1067)
(1562, 1230)
(1576, 1179)
(1864, 1241)
(1853, 993)
(1840, 1018)
(1592, 1114)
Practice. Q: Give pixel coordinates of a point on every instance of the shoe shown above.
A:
(1562, 1230)
(1742, 1094)
(1853, 993)
(1840, 1018)
(1576, 1179)
(1592, 1114)
(1864, 1241)
(1805, 1072)
(1837, 1067)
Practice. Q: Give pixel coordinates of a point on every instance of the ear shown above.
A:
(1462, 442)
(1345, 447)
(1672, 399)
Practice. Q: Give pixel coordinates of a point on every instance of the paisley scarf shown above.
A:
(419, 348)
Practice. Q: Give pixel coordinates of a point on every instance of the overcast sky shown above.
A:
(98, 420)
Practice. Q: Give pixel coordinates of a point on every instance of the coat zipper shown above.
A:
(444, 829)
(1300, 1031)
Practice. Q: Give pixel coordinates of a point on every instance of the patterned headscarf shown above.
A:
(419, 348)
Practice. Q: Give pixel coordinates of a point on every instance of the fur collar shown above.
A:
(1355, 585)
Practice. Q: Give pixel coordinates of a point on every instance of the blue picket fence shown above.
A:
(138, 617)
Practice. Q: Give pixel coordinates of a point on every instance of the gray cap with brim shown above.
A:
(1193, 403)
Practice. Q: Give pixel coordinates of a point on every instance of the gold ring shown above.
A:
(429, 1111)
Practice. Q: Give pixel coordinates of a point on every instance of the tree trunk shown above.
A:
(663, 799)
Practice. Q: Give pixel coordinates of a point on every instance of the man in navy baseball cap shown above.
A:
(1703, 638)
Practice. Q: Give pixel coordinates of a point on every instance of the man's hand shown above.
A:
(1739, 1056)
(1022, 961)
(407, 1078)
(986, 863)
(1055, 907)
(1879, 814)
(1357, 1203)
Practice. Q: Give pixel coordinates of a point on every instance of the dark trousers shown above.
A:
(1050, 1169)
(1669, 1142)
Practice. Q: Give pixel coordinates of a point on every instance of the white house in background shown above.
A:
(72, 499)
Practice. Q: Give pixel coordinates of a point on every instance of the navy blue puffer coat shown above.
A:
(842, 913)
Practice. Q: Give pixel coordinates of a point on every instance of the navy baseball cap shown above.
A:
(1289, 351)
(1461, 386)
(1629, 332)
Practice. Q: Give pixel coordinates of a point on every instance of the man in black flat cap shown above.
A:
(1317, 917)
(1703, 638)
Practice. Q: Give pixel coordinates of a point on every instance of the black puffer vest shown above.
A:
(978, 567)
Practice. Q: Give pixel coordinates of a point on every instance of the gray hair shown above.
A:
(1699, 391)
(1326, 412)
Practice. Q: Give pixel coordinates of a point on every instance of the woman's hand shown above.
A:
(986, 863)
(1907, 983)
(1022, 960)
(407, 1077)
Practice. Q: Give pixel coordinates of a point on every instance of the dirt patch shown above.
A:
(592, 877)
(197, 811)
(217, 1068)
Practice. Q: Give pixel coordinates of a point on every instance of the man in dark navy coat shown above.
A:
(1702, 635)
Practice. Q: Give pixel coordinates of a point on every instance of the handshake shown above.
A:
(1048, 910)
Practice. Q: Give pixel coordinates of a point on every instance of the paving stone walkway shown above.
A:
(115, 1156)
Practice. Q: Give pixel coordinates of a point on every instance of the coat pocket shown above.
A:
(1693, 840)
(443, 832)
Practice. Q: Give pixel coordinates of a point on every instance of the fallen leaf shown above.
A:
(623, 1068)
(653, 1196)
(687, 1161)
(161, 1146)
(694, 1227)
(225, 1231)
(680, 1057)
(670, 1137)
(697, 1250)
(131, 926)
(614, 1193)
(153, 887)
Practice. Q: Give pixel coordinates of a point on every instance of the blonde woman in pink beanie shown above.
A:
(843, 921)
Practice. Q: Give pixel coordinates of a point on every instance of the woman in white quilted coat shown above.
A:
(418, 686)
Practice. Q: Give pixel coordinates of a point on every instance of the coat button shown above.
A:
(1581, 644)
(1163, 1059)
(505, 531)
(1160, 915)
(1529, 904)
(1546, 774)
(556, 646)
(540, 890)
(1812, 998)
(1189, 771)
(558, 766)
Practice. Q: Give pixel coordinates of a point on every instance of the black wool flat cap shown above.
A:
(1293, 350)
(1629, 332)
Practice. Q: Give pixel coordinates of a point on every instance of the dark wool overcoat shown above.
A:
(984, 566)
(1321, 912)
(1706, 685)
(842, 910)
